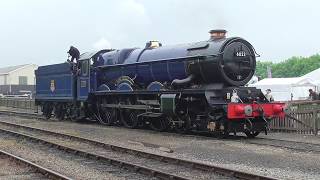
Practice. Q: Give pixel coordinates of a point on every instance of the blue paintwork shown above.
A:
(83, 82)
(146, 73)
(83, 88)
(146, 65)
(155, 86)
(93, 81)
(63, 82)
(124, 87)
(103, 88)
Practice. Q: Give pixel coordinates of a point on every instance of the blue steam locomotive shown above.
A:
(188, 87)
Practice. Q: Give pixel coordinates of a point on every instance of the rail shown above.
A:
(47, 172)
(183, 163)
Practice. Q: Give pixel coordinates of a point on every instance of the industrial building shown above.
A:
(17, 79)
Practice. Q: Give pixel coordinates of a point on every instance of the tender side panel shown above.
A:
(55, 82)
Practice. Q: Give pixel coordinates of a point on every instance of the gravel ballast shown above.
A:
(264, 160)
(10, 169)
(69, 164)
(141, 160)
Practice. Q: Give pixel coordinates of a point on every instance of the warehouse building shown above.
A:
(17, 79)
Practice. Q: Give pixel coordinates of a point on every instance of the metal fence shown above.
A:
(27, 104)
(303, 118)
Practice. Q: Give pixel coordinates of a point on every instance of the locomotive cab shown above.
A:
(83, 79)
(87, 76)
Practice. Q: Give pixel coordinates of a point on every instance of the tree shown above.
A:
(292, 67)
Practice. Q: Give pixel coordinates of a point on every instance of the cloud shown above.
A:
(102, 44)
(290, 29)
(132, 13)
(133, 7)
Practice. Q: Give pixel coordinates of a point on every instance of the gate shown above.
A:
(303, 118)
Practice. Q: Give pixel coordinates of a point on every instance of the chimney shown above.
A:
(217, 34)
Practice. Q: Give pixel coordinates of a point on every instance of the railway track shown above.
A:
(37, 168)
(287, 144)
(152, 165)
(278, 143)
(22, 114)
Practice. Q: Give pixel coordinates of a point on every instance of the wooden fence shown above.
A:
(303, 118)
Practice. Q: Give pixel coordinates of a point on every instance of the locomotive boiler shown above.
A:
(188, 87)
(230, 61)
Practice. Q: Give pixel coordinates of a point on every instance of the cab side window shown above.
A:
(85, 68)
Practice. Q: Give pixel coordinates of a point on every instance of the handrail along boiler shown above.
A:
(188, 87)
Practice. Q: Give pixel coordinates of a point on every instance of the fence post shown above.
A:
(315, 120)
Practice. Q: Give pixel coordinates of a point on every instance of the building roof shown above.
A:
(7, 70)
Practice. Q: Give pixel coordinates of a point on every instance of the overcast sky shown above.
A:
(41, 31)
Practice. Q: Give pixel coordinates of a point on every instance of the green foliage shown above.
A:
(292, 67)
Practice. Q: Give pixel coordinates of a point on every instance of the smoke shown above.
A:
(102, 44)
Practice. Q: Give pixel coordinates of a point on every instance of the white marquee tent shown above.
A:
(285, 89)
(313, 75)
